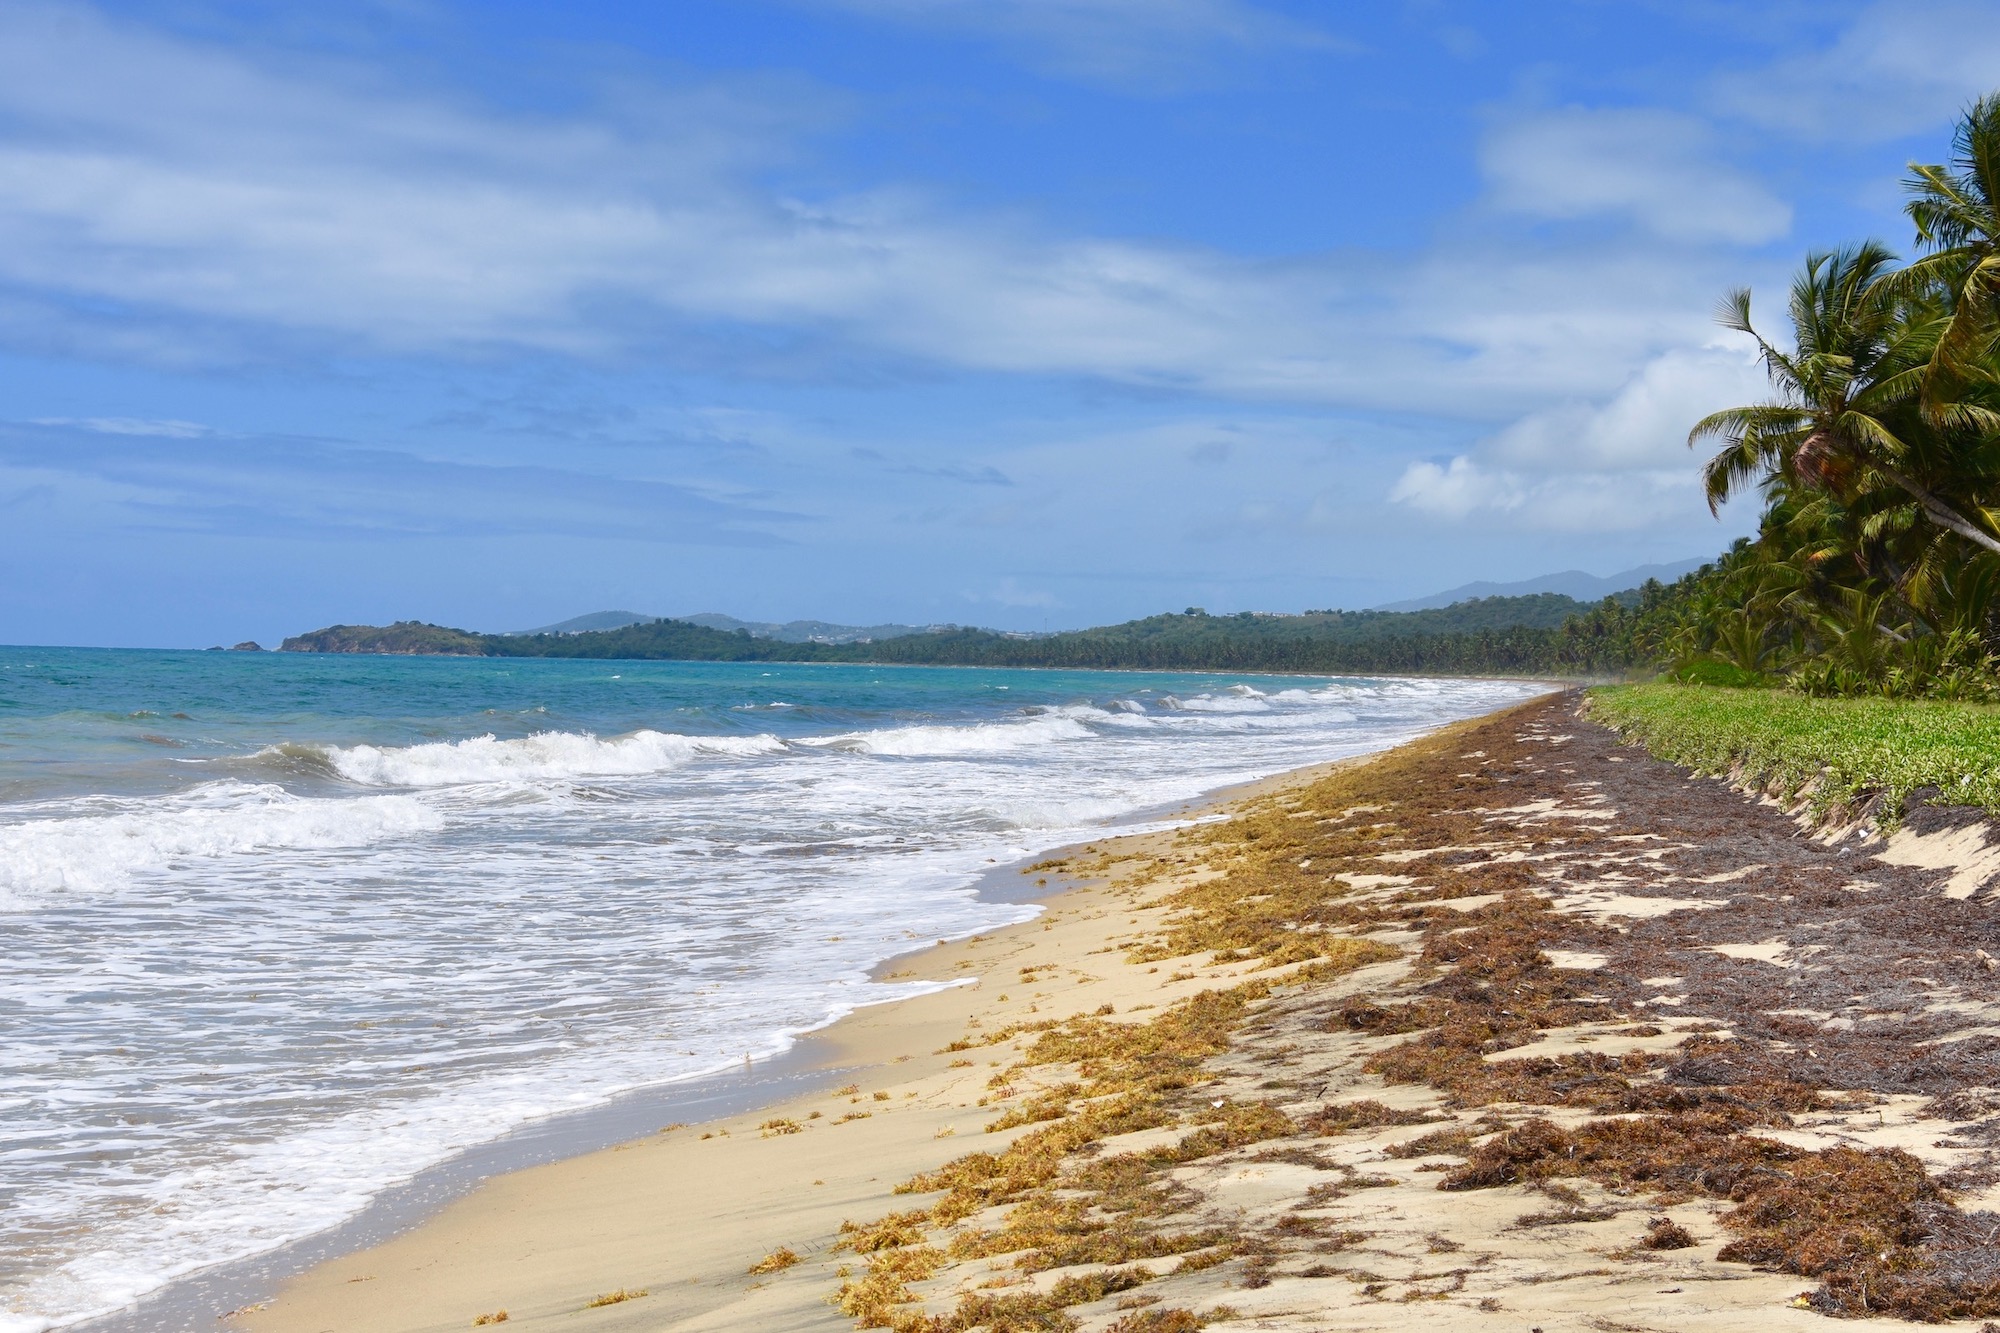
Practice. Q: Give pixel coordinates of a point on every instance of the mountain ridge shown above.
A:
(1572, 583)
(789, 631)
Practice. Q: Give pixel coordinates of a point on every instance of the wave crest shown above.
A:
(979, 738)
(41, 859)
(544, 756)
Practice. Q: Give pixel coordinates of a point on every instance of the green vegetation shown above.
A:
(1514, 635)
(1537, 635)
(1876, 565)
(412, 637)
(669, 640)
(1837, 751)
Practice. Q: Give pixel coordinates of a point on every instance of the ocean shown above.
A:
(278, 931)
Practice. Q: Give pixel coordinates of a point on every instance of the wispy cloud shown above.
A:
(1659, 170)
(1012, 592)
(202, 197)
(170, 429)
(1146, 46)
(305, 489)
(969, 474)
(1897, 69)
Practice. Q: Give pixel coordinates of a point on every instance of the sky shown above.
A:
(1022, 313)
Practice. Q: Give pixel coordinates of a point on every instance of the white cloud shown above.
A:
(1898, 69)
(278, 486)
(168, 428)
(1614, 466)
(200, 197)
(1455, 488)
(1659, 169)
(1645, 424)
(1138, 45)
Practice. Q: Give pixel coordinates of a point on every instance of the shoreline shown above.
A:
(1553, 682)
(1603, 1002)
(815, 1058)
(892, 1048)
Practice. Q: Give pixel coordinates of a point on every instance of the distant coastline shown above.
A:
(1541, 634)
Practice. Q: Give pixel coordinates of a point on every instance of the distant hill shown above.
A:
(1485, 634)
(807, 631)
(1570, 583)
(595, 620)
(791, 631)
(406, 637)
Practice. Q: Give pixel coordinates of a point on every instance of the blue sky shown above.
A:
(1014, 312)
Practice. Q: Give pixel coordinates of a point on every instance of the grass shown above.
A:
(1843, 751)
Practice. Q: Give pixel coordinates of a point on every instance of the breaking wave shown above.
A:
(47, 858)
(544, 756)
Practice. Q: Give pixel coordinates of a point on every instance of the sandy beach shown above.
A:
(1513, 1027)
(686, 1213)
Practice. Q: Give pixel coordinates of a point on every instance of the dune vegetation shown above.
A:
(1838, 755)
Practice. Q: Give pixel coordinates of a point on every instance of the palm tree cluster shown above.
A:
(1876, 567)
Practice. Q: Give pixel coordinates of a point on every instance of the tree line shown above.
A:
(1540, 635)
(1876, 564)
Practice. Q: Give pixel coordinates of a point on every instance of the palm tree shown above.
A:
(1956, 209)
(1844, 422)
(1856, 636)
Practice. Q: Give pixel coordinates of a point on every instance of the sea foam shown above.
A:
(48, 858)
(979, 739)
(543, 756)
(403, 936)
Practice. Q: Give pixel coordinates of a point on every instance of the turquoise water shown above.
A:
(283, 929)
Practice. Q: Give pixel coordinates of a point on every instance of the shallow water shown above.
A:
(280, 930)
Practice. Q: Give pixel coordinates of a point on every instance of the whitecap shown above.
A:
(1227, 702)
(543, 756)
(979, 738)
(100, 852)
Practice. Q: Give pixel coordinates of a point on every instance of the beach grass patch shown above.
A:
(1836, 753)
